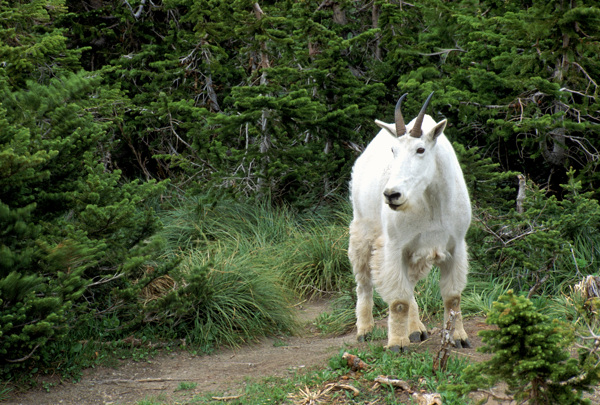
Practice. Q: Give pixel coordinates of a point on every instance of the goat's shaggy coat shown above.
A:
(411, 211)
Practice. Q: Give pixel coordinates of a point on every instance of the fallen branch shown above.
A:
(440, 361)
(231, 398)
(346, 387)
(394, 382)
(428, 399)
(354, 362)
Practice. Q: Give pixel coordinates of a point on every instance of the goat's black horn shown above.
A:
(400, 126)
(416, 130)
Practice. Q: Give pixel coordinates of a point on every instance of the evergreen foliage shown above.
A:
(71, 229)
(533, 249)
(530, 356)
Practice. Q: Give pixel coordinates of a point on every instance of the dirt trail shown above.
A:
(225, 373)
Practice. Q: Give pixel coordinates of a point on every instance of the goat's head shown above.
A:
(414, 165)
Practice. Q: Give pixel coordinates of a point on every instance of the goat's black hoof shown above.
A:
(364, 338)
(462, 344)
(418, 336)
(397, 349)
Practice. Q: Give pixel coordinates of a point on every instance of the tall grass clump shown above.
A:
(222, 298)
(315, 261)
(242, 265)
(199, 221)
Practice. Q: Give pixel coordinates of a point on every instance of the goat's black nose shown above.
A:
(392, 195)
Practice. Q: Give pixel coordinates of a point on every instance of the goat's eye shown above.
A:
(420, 151)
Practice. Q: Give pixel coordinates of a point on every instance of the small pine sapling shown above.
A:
(530, 355)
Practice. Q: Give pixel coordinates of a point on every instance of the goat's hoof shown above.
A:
(397, 349)
(418, 336)
(364, 338)
(462, 344)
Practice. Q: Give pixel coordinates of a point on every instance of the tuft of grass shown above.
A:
(478, 296)
(315, 261)
(186, 386)
(225, 297)
(5, 391)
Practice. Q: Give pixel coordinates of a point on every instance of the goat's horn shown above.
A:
(416, 131)
(400, 127)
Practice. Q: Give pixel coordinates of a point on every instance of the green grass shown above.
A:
(414, 368)
(186, 386)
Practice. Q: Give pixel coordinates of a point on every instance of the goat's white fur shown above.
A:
(395, 240)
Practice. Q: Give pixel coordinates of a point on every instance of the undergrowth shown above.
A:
(416, 369)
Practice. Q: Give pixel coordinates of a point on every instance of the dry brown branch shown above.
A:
(428, 399)
(440, 361)
(394, 382)
(230, 398)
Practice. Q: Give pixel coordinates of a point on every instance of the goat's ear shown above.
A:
(437, 130)
(391, 128)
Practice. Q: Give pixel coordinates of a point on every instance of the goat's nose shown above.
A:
(392, 195)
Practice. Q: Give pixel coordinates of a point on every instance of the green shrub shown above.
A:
(530, 355)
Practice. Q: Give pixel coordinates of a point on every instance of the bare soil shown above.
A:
(224, 373)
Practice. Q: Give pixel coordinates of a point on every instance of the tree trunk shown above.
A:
(375, 23)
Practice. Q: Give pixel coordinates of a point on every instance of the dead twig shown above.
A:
(230, 398)
(440, 361)
(394, 382)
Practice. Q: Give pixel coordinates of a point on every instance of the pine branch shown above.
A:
(22, 359)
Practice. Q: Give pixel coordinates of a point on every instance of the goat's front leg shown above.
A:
(398, 339)
(461, 339)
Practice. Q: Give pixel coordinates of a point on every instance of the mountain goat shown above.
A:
(411, 211)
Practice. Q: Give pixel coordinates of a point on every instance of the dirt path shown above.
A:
(225, 372)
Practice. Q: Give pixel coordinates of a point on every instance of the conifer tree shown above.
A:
(530, 356)
(69, 226)
(31, 45)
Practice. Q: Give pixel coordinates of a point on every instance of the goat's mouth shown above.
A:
(395, 207)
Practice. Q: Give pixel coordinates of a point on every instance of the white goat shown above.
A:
(411, 211)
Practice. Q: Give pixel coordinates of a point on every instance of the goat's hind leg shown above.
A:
(359, 252)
